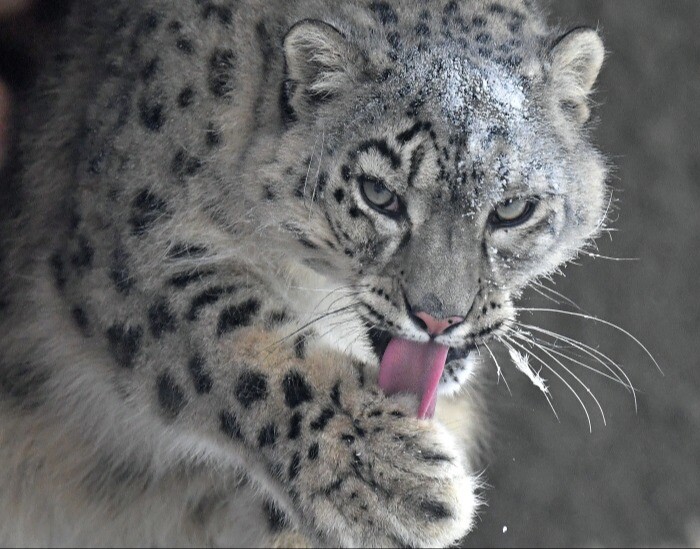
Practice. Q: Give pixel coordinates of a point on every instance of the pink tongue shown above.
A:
(415, 368)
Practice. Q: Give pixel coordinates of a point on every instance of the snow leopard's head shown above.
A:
(436, 178)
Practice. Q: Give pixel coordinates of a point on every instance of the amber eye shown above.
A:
(378, 195)
(513, 212)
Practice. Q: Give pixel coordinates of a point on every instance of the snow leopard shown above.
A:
(251, 251)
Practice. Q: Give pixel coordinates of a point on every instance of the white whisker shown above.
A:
(558, 294)
(595, 319)
(568, 371)
(552, 349)
(499, 372)
(600, 357)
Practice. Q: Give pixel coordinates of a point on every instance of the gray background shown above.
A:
(636, 481)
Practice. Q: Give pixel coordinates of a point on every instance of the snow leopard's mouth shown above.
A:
(413, 367)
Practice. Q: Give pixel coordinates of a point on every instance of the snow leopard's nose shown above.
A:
(435, 326)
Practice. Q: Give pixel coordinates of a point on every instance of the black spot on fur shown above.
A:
(187, 278)
(267, 46)
(74, 222)
(200, 376)
(478, 22)
(269, 193)
(320, 187)
(152, 114)
(276, 318)
(514, 61)
(322, 421)
(251, 387)
(488, 330)
(296, 389)
(295, 426)
(427, 455)
(414, 107)
(339, 195)
(294, 466)
(307, 243)
(184, 165)
(383, 148)
(213, 136)
(147, 210)
(421, 29)
(22, 383)
(58, 270)
(300, 189)
(347, 439)
(119, 271)
(222, 65)
(335, 394)
(275, 518)
(206, 298)
(148, 23)
(313, 451)
(80, 318)
(286, 93)
(221, 13)
(410, 134)
(185, 46)
(435, 510)
(267, 436)
(161, 319)
(124, 343)
(229, 425)
(394, 39)
(186, 97)
(300, 347)
(497, 8)
(495, 132)
(386, 14)
(150, 69)
(237, 316)
(335, 486)
(97, 163)
(451, 8)
(170, 396)
(187, 251)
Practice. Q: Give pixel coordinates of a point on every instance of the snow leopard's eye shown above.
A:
(377, 195)
(513, 212)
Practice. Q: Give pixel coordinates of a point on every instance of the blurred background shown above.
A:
(636, 480)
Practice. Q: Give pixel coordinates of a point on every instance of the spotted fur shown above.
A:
(196, 288)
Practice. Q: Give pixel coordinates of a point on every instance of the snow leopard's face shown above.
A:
(440, 186)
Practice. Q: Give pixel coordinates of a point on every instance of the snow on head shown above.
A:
(467, 88)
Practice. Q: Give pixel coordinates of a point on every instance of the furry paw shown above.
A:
(383, 478)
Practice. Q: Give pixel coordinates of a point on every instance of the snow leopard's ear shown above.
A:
(319, 64)
(576, 58)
